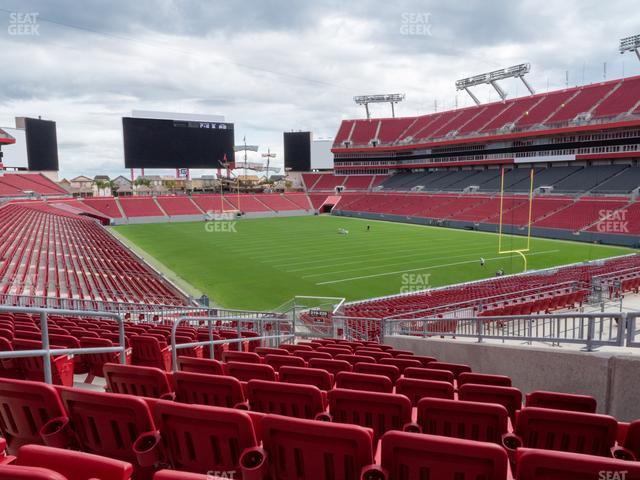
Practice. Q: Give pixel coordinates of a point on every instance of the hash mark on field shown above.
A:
(420, 269)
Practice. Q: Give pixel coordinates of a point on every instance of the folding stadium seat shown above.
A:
(509, 397)
(96, 361)
(196, 438)
(378, 411)
(135, 380)
(306, 376)
(307, 356)
(24, 408)
(416, 456)
(561, 401)
(395, 352)
(331, 366)
(376, 354)
(335, 350)
(390, 371)
(310, 450)
(429, 374)
(401, 363)
(277, 361)
(292, 400)
(70, 464)
(217, 349)
(213, 390)
(264, 351)
(484, 422)
(483, 379)
(200, 365)
(353, 359)
(454, 368)
(32, 368)
(534, 464)
(424, 360)
(416, 389)
(364, 381)
(244, 357)
(149, 352)
(250, 371)
(193, 351)
(632, 439)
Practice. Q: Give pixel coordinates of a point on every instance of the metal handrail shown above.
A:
(211, 342)
(46, 351)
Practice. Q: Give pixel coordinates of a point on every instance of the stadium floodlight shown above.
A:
(516, 71)
(391, 98)
(268, 156)
(630, 44)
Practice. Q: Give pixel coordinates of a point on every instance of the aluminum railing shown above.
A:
(277, 338)
(46, 352)
(592, 330)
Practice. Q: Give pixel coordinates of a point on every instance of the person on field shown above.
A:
(482, 262)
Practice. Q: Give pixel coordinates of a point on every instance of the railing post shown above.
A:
(623, 327)
(46, 361)
(590, 332)
(480, 329)
(383, 326)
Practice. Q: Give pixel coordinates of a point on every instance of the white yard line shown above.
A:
(421, 269)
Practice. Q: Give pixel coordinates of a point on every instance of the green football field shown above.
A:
(262, 263)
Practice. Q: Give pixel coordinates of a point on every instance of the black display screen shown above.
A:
(42, 144)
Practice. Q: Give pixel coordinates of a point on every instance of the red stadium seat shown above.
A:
(73, 465)
(483, 379)
(25, 407)
(293, 400)
(429, 374)
(390, 371)
(250, 371)
(632, 439)
(509, 397)
(307, 356)
(198, 438)
(173, 475)
(353, 359)
(277, 361)
(454, 368)
(264, 351)
(147, 351)
(134, 380)
(378, 411)
(306, 376)
(15, 472)
(96, 361)
(484, 422)
(310, 450)
(200, 365)
(331, 366)
(401, 363)
(422, 359)
(364, 381)
(536, 464)
(244, 357)
(416, 456)
(561, 401)
(212, 390)
(416, 389)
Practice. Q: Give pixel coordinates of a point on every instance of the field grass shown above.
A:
(266, 262)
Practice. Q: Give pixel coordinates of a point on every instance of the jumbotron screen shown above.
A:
(153, 143)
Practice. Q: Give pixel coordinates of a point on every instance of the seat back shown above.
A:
(332, 366)
(364, 381)
(536, 464)
(200, 438)
(263, 351)
(484, 422)
(309, 449)
(454, 368)
(15, 472)
(353, 359)
(632, 440)
(200, 365)
(289, 399)
(416, 389)
(509, 397)
(212, 390)
(307, 376)
(416, 456)
(24, 408)
(250, 371)
(429, 374)
(245, 357)
(148, 352)
(277, 361)
(74, 465)
(483, 379)
(173, 475)
(107, 423)
(566, 431)
(390, 371)
(379, 411)
(136, 380)
(96, 361)
(561, 401)
(401, 363)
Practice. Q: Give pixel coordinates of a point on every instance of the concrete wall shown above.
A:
(612, 379)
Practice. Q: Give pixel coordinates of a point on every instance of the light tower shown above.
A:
(391, 98)
(516, 71)
(268, 156)
(630, 44)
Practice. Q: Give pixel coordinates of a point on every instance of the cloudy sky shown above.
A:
(271, 66)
